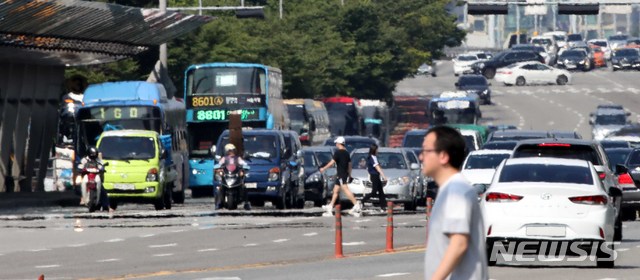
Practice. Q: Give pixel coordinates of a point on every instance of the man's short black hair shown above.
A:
(450, 140)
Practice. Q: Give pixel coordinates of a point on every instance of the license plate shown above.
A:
(251, 185)
(552, 231)
(571, 66)
(125, 187)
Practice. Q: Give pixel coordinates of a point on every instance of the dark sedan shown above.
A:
(625, 59)
(488, 67)
(477, 84)
(574, 60)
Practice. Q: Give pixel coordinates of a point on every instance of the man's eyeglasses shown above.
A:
(425, 151)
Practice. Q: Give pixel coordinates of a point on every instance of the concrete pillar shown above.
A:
(27, 90)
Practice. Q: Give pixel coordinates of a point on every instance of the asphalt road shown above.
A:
(192, 241)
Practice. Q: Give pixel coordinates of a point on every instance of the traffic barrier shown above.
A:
(389, 227)
(338, 232)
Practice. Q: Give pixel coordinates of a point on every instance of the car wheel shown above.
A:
(489, 73)
(617, 229)
(520, 81)
(605, 259)
(562, 80)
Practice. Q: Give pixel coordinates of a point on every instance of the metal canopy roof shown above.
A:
(71, 32)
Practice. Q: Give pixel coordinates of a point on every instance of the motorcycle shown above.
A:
(231, 188)
(91, 170)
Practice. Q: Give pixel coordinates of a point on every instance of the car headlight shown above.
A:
(314, 178)
(356, 181)
(399, 181)
(480, 65)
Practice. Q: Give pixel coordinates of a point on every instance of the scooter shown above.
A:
(231, 188)
(93, 169)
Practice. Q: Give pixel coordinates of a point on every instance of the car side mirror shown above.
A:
(591, 122)
(414, 166)
(105, 164)
(457, 84)
(616, 192)
(621, 169)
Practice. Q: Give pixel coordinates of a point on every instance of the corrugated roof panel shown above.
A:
(80, 26)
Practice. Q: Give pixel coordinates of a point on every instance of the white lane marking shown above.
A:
(147, 235)
(220, 278)
(108, 260)
(250, 245)
(362, 221)
(354, 243)
(208, 250)
(392, 274)
(77, 245)
(551, 123)
(608, 279)
(163, 255)
(40, 250)
(280, 240)
(47, 266)
(311, 234)
(178, 230)
(163, 245)
(622, 249)
(115, 240)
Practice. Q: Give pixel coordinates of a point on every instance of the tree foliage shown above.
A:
(361, 49)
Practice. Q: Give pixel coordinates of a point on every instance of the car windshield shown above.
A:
(257, 146)
(546, 173)
(559, 37)
(324, 157)
(309, 160)
(472, 81)
(499, 145)
(467, 58)
(470, 142)
(481, 56)
(617, 156)
(625, 52)
(558, 150)
(541, 41)
(610, 120)
(572, 54)
(127, 148)
(485, 161)
(618, 38)
(574, 37)
(600, 43)
(413, 140)
(634, 158)
(387, 160)
(296, 112)
(614, 144)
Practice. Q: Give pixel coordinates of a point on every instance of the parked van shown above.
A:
(139, 169)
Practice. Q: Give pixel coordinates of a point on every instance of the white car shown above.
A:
(462, 63)
(532, 72)
(548, 199)
(604, 46)
(400, 170)
(480, 165)
(559, 36)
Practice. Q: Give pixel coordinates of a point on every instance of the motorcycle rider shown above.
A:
(92, 157)
(231, 158)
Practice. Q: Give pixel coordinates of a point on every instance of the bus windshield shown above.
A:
(226, 81)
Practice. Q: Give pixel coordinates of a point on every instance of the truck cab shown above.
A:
(138, 168)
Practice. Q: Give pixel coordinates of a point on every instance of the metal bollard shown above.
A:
(338, 232)
(389, 227)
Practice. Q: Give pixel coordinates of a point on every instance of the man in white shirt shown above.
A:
(456, 246)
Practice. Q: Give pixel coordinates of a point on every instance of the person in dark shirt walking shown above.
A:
(376, 176)
(342, 160)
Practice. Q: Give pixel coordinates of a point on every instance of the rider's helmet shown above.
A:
(92, 153)
(229, 147)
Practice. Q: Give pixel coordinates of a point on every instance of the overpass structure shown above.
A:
(38, 40)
